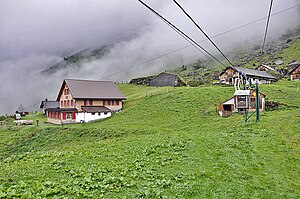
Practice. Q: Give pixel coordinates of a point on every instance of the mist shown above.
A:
(36, 34)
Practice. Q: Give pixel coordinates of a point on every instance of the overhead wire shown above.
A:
(180, 33)
(187, 14)
(267, 26)
(170, 24)
(187, 46)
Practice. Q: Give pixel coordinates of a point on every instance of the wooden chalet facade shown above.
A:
(85, 100)
(295, 73)
(229, 75)
(242, 99)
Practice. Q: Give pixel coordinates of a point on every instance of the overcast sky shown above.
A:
(37, 33)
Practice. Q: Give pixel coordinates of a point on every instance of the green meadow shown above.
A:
(166, 143)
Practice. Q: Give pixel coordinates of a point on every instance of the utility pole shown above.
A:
(257, 105)
(257, 102)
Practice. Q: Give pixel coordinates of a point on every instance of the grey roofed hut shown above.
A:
(46, 104)
(231, 73)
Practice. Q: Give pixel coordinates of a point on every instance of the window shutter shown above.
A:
(73, 116)
(108, 102)
(118, 102)
(84, 103)
(64, 115)
(91, 102)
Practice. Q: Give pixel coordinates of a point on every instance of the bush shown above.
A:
(2, 118)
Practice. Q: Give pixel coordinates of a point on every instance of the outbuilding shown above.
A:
(242, 100)
(295, 73)
(229, 75)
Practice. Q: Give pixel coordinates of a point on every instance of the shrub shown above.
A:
(2, 118)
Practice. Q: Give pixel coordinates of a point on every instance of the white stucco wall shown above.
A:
(87, 117)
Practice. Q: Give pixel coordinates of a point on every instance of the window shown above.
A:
(66, 91)
(227, 107)
(61, 103)
(118, 102)
(68, 102)
(69, 116)
(72, 103)
(115, 103)
(99, 114)
(106, 102)
(64, 102)
(93, 113)
(88, 102)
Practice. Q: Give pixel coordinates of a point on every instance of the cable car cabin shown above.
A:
(242, 99)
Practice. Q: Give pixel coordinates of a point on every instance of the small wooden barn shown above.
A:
(295, 73)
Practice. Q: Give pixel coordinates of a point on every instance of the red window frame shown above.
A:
(88, 104)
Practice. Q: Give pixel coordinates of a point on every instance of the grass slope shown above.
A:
(166, 143)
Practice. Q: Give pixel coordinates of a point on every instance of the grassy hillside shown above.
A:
(204, 71)
(167, 143)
